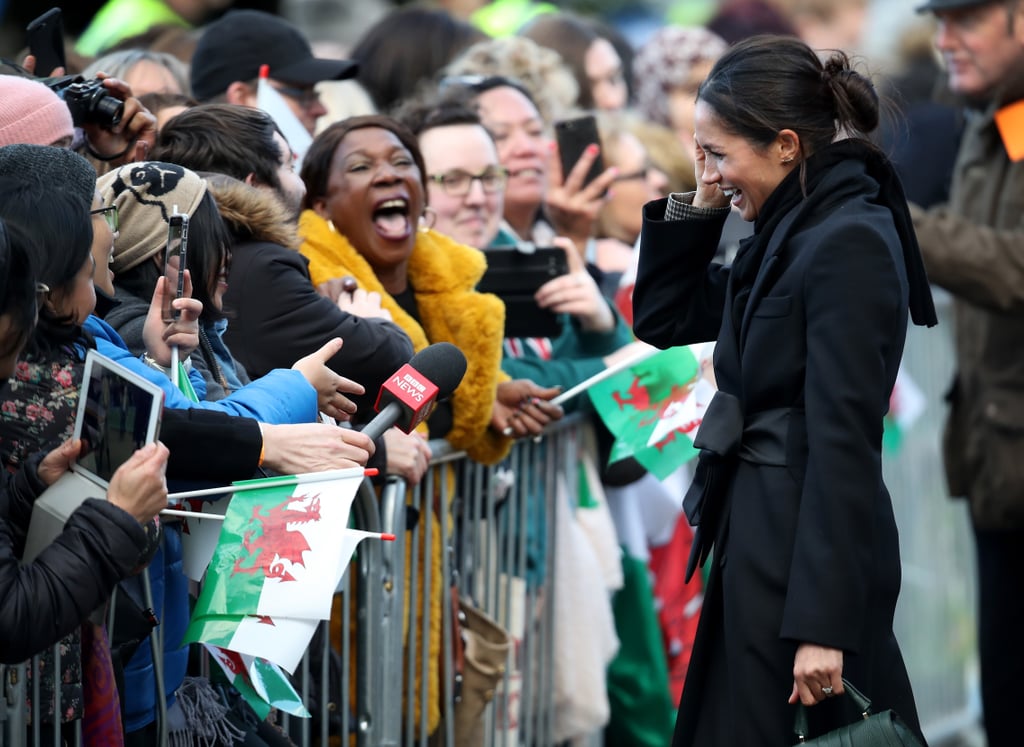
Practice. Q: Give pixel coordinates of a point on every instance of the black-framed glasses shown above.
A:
(109, 213)
(458, 183)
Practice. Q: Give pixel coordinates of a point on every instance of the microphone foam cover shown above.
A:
(443, 364)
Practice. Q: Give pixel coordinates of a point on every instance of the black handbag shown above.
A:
(883, 729)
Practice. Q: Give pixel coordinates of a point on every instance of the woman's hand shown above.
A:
(522, 409)
(408, 455)
(329, 385)
(816, 667)
(159, 336)
(571, 206)
(334, 287)
(58, 461)
(576, 294)
(139, 486)
(363, 303)
(313, 447)
(708, 195)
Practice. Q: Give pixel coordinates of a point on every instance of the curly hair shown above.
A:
(551, 84)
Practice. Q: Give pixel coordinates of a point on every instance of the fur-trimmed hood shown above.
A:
(253, 213)
(443, 275)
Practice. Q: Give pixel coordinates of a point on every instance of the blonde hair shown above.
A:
(541, 71)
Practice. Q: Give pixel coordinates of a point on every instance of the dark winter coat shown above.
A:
(806, 546)
(48, 598)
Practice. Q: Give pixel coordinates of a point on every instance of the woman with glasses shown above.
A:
(466, 187)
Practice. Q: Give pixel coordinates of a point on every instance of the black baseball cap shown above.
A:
(950, 4)
(235, 46)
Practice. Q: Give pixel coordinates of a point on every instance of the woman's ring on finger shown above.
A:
(827, 690)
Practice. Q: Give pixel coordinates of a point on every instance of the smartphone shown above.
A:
(174, 261)
(45, 36)
(573, 137)
(515, 276)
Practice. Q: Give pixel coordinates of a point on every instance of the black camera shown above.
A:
(88, 100)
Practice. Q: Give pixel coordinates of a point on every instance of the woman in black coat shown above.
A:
(810, 321)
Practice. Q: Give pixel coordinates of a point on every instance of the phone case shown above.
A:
(514, 277)
(177, 247)
(573, 137)
(45, 37)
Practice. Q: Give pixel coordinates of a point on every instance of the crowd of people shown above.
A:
(745, 187)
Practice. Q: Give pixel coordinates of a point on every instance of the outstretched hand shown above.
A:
(313, 447)
(329, 385)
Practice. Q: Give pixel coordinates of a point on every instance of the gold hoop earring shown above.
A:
(428, 219)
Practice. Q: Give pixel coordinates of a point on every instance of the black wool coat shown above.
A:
(807, 547)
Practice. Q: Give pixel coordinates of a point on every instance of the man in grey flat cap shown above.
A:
(974, 248)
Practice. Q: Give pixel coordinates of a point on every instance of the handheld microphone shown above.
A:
(408, 396)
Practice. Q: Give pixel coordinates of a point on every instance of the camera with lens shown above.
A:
(89, 101)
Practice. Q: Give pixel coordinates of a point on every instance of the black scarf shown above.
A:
(790, 196)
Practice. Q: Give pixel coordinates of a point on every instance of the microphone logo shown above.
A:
(413, 391)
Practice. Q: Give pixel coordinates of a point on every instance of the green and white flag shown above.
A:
(282, 548)
(281, 640)
(655, 408)
(261, 684)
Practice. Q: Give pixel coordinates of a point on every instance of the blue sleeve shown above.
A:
(282, 396)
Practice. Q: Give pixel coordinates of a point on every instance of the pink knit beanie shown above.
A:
(32, 113)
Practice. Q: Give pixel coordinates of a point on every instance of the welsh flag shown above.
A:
(282, 552)
(654, 409)
(282, 549)
(261, 684)
(907, 404)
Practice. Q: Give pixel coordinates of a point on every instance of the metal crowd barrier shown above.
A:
(494, 542)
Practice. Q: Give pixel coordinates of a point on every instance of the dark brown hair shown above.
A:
(767, 84)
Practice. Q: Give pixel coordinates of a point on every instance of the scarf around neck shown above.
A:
(791, 195)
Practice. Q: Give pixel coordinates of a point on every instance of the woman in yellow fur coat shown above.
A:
(365, 195)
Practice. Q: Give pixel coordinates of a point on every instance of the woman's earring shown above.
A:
(330, 225)
(788, 159)
(428, 219)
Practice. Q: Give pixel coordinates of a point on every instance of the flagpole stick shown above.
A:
(383, 536)
(174, 365)
(263, 484)
(602, 375)
(190, 514)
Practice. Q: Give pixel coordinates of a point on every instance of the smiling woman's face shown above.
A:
(375, 198)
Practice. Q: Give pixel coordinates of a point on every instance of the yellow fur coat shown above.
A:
(443, 275)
